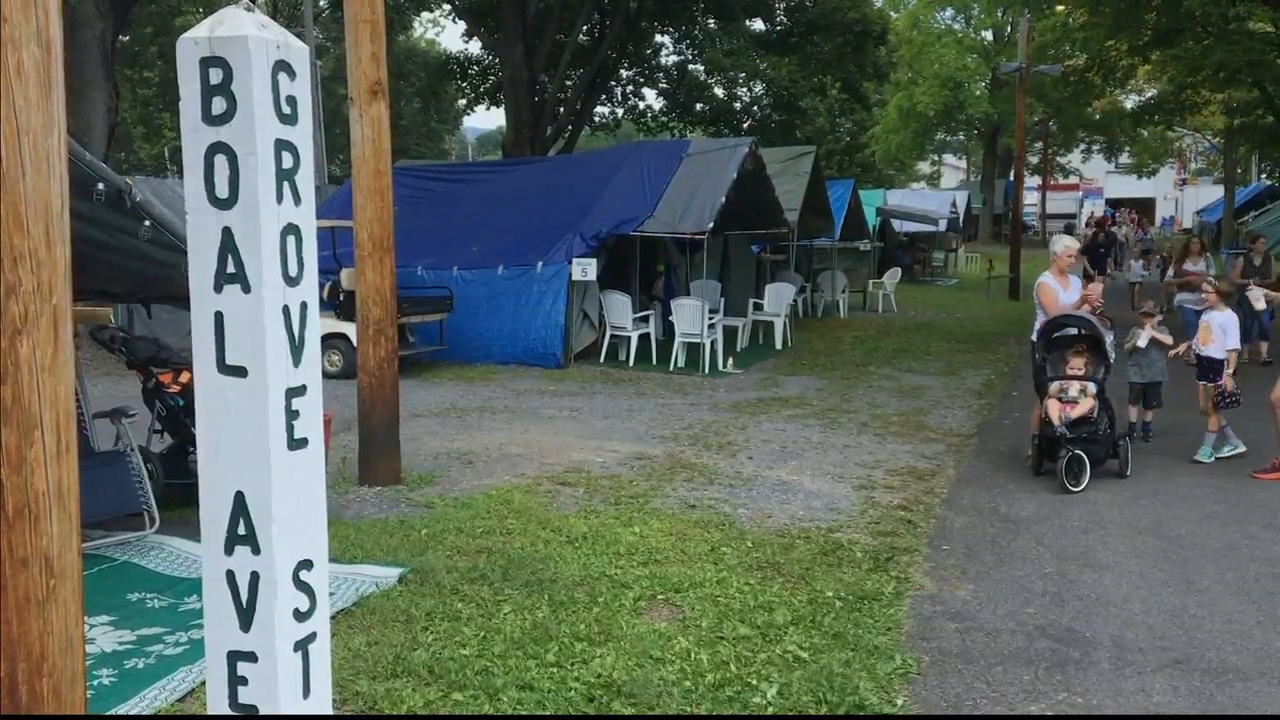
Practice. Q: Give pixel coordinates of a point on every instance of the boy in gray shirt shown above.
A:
(1148, 349)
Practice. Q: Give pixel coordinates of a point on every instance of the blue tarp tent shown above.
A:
(1248, 199)
(846, 207)
(501, 235)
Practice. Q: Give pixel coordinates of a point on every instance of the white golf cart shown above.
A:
(414, 306)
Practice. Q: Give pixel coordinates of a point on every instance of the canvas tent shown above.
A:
(797, 179)
(938, 203)
(502, 234)
(1266, 222)
(872, 199)
(847, 210)
(128, 235)
(1248, 199)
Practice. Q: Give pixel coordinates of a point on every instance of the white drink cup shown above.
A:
(1144, 338)
(1257, 298)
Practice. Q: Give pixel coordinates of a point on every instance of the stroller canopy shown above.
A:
(1076, 325)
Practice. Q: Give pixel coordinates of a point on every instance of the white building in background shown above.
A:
(951, 171)
(1157, 197)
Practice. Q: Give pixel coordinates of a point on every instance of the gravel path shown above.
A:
(781, 451)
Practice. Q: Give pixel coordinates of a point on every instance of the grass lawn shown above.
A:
(515, 603)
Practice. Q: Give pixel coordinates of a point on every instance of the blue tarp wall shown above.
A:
(1263, 191)
(501, 235)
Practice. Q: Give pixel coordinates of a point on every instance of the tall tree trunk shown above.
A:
(987, 183)
(522, 137)
(1230, 178)
(89, 28)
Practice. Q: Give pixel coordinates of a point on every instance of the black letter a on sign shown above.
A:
(240, 530)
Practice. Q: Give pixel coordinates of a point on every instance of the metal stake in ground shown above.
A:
(41, 605)
(248, 159)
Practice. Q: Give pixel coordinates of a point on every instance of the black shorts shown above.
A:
(1210, 371)
(1148, 396)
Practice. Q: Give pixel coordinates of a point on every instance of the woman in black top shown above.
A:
(1098, 248)
(1254, 267)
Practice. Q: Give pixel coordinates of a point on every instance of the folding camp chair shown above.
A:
(114, 484)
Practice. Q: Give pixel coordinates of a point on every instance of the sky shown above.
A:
(451, 37)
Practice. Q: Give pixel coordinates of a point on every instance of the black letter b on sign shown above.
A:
(211, 88)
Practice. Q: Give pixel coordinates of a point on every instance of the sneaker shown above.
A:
(1230, 450)
(1266, 361)
(1270, 472)
(1148, 436)
(1204, 455)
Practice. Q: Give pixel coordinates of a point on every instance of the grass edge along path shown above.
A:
(623, 605)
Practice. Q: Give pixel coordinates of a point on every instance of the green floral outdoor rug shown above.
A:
(143, 620)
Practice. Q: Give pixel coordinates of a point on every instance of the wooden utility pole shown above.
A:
(41, 585)
(378, 377)
(1020, 157)
(1046, 179)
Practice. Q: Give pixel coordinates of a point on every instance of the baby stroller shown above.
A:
(1093, 439)
(167, 393)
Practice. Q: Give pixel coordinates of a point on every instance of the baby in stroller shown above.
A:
(1070, 399)
(1073, 358)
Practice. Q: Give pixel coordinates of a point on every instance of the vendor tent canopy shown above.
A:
(721, 184)
(1248, 199)
(929, 218)
(1266, 222)
(501, 234)
(938, 203)
(872, 199)
(847, 211)
(797, 179)
(128, 235)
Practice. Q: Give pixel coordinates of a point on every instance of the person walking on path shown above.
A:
(1147, 346)
(1254, 268)
(1271, 471)
(1056, 291)
(1099, 249)
(1191, 266)
(1216, 348)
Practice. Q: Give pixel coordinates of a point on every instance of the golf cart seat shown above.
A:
(414, 303)
(114, 484)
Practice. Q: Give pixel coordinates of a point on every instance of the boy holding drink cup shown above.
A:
(1147, 347)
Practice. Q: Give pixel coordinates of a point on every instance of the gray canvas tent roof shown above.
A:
(798, 180)
(926, 216)
(721, 183)
(941, 203)
(128, 235)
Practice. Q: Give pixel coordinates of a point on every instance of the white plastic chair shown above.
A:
(620, 322)
(885, 287)
(774, 309)
(833, 286)
(710, 291)
(694, 325)
(802, 289)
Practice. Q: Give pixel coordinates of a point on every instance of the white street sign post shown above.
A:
(248, 159)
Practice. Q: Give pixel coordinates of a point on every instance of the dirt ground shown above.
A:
(783, 450)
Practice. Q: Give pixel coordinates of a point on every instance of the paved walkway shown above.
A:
(1155, 594)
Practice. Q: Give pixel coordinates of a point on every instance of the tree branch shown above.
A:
(591, 73)
(548, 38)
(562, 69)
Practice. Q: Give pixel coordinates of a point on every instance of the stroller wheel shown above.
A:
(1074, 472)
(1124, 456)
(155, 471)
